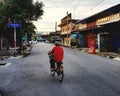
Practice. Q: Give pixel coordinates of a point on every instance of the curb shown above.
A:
(17, 57)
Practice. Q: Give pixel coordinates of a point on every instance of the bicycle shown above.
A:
(59, 71)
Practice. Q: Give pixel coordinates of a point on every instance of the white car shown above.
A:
(47, 41)
(34, 42)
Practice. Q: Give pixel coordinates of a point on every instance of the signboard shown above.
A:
(109, 19)
(14, 25)
(24, 38)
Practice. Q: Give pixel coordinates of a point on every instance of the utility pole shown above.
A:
(1, 42)
(74, 12)
(14, 25)
(26, 37)
(67, 30)
(55, 30)
(15, 42)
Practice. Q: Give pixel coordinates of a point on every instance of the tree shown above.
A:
(19, 11)
(23, 10)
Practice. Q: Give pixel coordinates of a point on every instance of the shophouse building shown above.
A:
(66, 26)
(102, 28)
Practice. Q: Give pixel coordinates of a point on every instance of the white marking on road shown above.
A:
(7, 64)
(15, 57)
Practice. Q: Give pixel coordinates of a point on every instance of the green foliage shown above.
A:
(73, 42)
(118, 49)
(20, 11)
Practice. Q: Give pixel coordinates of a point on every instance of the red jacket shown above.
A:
(58, 53)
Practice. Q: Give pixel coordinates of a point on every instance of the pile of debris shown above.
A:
(4, 54)
(108, 54)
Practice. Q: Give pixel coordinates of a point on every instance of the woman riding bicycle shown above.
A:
(58, 55)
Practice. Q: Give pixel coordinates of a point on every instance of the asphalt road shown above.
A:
(85, 75)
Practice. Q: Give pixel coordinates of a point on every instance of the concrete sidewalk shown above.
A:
(111, 55)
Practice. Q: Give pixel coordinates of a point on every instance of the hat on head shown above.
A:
(57, 43)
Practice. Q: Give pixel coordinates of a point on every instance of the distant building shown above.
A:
(66, 26)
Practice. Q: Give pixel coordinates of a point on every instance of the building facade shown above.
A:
(102, 29)
(66, 26)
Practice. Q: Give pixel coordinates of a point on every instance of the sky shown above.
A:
(55, 10)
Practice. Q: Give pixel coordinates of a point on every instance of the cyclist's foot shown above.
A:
(52, 72)
(52, 69)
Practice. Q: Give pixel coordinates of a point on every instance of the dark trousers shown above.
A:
(52, 64)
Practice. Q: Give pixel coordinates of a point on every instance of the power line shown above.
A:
(98, 4)
(74, 7)
(92, 5)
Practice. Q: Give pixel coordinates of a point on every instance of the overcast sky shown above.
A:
(55, 10)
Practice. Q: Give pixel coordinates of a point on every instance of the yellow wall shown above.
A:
(67, 41)
(66, 29)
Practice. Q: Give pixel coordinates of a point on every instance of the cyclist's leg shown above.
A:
(52, 64)
(58, 65)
